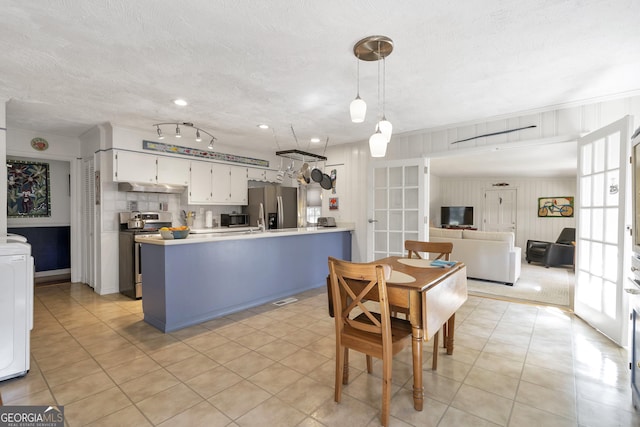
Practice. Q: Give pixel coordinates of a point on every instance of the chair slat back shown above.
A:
(442, 249)
(351, 284)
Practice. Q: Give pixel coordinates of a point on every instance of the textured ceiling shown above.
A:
(69, 65)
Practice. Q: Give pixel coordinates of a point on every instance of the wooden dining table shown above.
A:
(432, 299)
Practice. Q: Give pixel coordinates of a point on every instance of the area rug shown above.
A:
(536, 284)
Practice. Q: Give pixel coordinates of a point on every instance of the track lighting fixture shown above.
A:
(199, 131)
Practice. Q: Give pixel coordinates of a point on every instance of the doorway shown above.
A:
(500, 208)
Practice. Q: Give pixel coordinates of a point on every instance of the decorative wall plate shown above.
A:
(39, 144)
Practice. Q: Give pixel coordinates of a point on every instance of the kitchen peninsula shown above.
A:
(192, 280)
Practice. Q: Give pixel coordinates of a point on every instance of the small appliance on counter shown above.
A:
(326, 221)
(234, 220)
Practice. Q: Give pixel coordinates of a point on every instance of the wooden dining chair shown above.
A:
(358, 328)
(432, 250)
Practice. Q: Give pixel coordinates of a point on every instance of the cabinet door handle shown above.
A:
(371, 221)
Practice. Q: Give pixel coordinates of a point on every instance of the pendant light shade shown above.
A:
(358, 109)
(377, 144)
(386, 128)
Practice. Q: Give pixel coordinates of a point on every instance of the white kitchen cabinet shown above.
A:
(200, 183)
(173, 171)
(238, 185)
(218, 184)
(131, 166)
(134, 167)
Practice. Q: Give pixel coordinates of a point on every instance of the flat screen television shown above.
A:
(456, 215)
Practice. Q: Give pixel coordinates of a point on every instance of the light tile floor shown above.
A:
(513, 365)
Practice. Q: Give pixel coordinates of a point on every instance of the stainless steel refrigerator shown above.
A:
(280, 206)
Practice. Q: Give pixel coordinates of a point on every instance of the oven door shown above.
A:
(137, 271)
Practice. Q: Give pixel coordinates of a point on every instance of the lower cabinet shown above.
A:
(217, 184)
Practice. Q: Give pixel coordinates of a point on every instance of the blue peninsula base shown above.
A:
(187, 284)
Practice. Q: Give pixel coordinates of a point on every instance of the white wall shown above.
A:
(470, 192)
(561, 124)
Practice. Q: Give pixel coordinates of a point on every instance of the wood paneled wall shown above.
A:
(470, 192)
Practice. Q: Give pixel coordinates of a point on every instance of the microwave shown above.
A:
(234, 220)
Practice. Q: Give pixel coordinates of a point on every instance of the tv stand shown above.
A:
(459, 227)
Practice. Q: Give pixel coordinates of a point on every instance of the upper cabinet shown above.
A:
(173, 171)
(135, 167)
(141, 167)
(217, 184)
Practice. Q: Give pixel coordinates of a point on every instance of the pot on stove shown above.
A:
(135, 222)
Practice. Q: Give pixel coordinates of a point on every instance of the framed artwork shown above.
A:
(554, 207)
(28, 189)
(333, 203)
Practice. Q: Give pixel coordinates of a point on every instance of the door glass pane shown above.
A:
(396, 243)
(395, 198)
(411, 198)
(597, 259)
(380, 177)
(585, 227)
(381, 199)
(613, 151)
(411, 236)
(598, 155)
(381, 241)
(611, 226)
(381, 217)
(395, 177)
(411, 221)
(612, 189)
(584, 252)
(597, 232)
(611, 262)
(585, 191)
(587, 154)
(598, 189)
(411, 176)
(395, 220)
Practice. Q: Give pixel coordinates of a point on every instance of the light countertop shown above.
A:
(217, 234)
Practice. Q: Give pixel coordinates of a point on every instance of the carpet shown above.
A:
(536, 284)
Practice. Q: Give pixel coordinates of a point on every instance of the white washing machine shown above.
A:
(16, 306)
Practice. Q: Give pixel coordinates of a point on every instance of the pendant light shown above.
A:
(376, 48)
(377, 144)
(384, 125)
(358, 107)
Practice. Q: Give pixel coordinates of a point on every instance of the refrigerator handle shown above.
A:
(280, 212)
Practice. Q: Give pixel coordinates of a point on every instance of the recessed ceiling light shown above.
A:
(180, 102)
(315, 140)
(263, 126)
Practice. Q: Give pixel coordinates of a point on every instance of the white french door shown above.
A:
(602, 244)
(397, 205)
(499, 210)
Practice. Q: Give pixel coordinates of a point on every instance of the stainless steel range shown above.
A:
(132, 224)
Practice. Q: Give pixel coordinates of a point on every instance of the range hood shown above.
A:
(147, 187)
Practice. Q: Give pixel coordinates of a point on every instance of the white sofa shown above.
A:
(487, 255)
